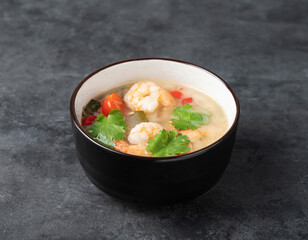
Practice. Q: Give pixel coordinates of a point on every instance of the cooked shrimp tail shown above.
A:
(122, 146)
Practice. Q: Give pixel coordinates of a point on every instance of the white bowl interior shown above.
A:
(185, 74)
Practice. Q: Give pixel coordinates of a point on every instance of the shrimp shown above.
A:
(143, 132)
(171, 127)
(195, 136)
(122, 146)
(147, 97)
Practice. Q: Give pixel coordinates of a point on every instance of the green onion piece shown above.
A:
(136, 118)
(140, 116)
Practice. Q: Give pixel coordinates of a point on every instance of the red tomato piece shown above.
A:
(88, 120)
(113, 101)
(177, 94)
(187, 100)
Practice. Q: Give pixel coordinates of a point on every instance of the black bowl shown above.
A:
(149, 179)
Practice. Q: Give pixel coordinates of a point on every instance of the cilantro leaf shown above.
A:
(167, 143)
(186, 118)
(107, 129)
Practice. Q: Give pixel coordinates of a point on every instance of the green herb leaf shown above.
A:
(107, 129)
(91, 107)
(186, 118)
(168, 144)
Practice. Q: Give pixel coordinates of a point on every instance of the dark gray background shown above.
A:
(259, 47)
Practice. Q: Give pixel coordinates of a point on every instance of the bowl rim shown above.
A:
(150, 158)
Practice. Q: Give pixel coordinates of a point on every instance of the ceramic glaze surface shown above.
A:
(183, 73)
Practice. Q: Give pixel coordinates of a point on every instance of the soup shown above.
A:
(154, 118)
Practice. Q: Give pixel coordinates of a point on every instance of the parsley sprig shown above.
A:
(168, 144)
(107, 129)
(186, 118)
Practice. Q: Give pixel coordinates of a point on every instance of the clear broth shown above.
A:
(216, 128)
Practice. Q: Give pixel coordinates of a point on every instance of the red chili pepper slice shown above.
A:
(88, 120)
(177, 94)
(187, 100)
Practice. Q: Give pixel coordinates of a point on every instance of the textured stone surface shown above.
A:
(259, 47)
